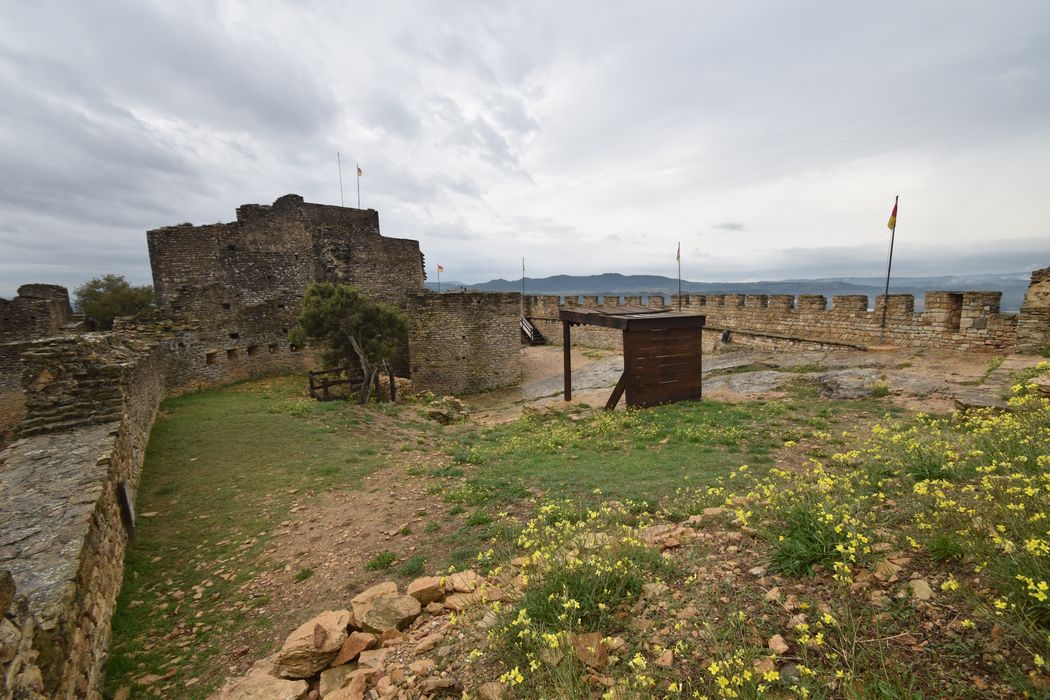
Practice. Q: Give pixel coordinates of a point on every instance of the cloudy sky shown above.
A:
(768, 137)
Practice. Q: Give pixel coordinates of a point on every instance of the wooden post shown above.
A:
(567, 353)
(614, 398)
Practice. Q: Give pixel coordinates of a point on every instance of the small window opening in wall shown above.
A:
(231, 354)
(272, 347)
(226, 305)
(235, 336)
(955, 304)
(280, 306)
(253, 350)
(211, 358)
(231, 247)
(285, 331)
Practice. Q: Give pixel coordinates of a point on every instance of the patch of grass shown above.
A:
(431, 528)
(211, 463)
(405, 531)
(413, 566)
(456, 510)
(806, 368)
(303, 574)
(462, 556)
(880, 390)
(381, 561)
(804, 541)
(478, 517)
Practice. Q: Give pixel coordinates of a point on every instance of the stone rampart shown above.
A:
(968, 320)
(39, 311)
(90, 402)
(464, 343)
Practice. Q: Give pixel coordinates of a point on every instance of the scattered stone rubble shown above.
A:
(382, 647)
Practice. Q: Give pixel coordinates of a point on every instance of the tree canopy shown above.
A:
(354, 330)
(103, 299)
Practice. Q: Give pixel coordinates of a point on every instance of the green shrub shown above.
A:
(382, 561)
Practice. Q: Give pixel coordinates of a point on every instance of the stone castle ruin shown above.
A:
(76, 408)
(79, 406)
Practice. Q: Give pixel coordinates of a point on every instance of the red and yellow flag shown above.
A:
(892, 224)
(441, 268)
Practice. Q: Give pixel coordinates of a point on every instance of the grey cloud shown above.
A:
(729, 226)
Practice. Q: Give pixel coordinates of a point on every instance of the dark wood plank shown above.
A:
(614, 397)
(566, 342)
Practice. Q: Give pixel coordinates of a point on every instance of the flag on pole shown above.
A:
(360, 172)
(678, 256)
(441, 268)
(892, 224)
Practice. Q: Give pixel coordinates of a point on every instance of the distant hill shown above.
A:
(1012, 285)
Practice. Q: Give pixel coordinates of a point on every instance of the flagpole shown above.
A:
(886, 295)
(523, 286)
(339, 162)
(358, 185)
(439, 275)
(679, 275)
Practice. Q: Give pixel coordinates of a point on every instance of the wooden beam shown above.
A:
(566, 343)
(614, 398)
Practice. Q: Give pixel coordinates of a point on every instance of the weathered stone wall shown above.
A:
(959, 320)
(243, 281)
(39, 311)
(223, 351)
(20, 676)
(464, 343)
(90, 402)
(1033, 326)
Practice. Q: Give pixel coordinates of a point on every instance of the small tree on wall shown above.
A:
(354, 330)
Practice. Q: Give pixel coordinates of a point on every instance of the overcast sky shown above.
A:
(768, 137)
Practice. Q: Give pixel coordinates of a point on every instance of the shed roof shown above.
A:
(632, 319)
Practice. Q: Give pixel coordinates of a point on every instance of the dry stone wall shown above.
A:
(464, 343)
(968, 320)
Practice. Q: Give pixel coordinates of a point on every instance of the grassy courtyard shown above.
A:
(844, 512)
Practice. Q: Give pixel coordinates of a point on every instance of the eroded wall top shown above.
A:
(272, 253)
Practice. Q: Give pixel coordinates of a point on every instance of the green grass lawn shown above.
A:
(220, 473)
(642, 456)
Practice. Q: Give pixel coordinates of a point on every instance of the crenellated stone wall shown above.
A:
(465, 343)
(968, 320)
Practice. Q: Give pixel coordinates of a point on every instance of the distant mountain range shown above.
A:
(1013, 286)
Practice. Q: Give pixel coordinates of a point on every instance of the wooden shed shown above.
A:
(662, 351)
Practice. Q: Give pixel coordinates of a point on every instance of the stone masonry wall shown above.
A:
(90, 404)
(464, 343)
(242, 282)
(1033, 326)
(959, 320)
(39, 311)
